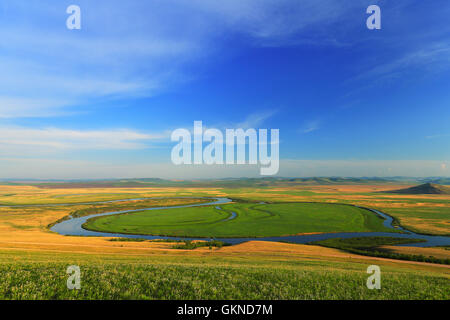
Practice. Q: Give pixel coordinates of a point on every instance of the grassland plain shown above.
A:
(252, 220)
(239, 273)
(33, 260)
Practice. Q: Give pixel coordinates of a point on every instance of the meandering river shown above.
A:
(73, 227)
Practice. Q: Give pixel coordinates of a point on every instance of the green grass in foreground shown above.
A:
(369, 246)
(252, 220)
(43, 276)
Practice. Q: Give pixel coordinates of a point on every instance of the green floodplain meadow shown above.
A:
(251, 220)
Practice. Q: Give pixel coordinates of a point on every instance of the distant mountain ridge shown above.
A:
(444, 181)
(427, 188)
(205, 183)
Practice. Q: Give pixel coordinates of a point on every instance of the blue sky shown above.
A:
(101, 102)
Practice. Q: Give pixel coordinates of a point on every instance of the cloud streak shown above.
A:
(434, 57)
(311, 126)
(21, 141)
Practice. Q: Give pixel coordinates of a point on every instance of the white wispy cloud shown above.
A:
(255, 120)
(22, 141)
(275, 20)
(434, 57)
(310, 126)
(11, 107)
